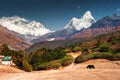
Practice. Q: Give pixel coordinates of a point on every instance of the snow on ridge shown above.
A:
(28, 29)
(88, 15)
(84, 22)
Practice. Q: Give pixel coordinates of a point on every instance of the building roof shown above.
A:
(6, 58)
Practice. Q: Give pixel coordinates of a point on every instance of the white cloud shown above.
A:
(118, 9)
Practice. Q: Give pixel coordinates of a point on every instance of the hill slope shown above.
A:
(102, 26)
(65, 43)
(12, 40)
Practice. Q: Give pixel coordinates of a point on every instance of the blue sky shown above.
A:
(55, 14)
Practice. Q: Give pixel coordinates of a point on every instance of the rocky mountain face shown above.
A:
(71, 28)
(86, 27)
(84, 22)
(107, 21)
(27, 29)
(12, 40)
(108, 24)
(104, 25)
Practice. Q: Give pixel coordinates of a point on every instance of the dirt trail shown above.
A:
(104, 70)
(74, 54)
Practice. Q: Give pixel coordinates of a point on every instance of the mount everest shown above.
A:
(25, 28)
(72, 27)
(35, 31)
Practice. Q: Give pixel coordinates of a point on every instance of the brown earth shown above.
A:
(89, 32)
(74, 54)
(9, 69)
(104, 70)
(12, 39)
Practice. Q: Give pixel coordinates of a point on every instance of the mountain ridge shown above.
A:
(84, 22)
(29, 29)
(73, 26)
(107, 24)
(84, 27)
(102, 26)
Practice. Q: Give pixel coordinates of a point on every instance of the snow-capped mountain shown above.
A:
(72, 27)
(25, 28)
(85, 22)
(104, 25)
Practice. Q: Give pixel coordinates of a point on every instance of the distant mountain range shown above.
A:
(27, 29)
(71, 28)
(104, 25)
(68, 42)
(84, 28)
(35, 31)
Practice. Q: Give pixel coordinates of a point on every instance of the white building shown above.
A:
(5, 60)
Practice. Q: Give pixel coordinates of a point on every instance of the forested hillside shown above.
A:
(105, 46)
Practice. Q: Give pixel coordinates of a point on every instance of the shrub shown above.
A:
(56, 63)
(41, 58)
(49, 65)
(104, 55)
(27, 66)
(81, 59)
(91, 55)
(85, 50)
(68, 50)
(117, 56)
(67, 60)
(116, 50)
(66, 63)
(104, 48)
(41, 66)
(75, 49)
(113, 40)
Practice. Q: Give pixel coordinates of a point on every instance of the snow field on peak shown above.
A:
(28, 29)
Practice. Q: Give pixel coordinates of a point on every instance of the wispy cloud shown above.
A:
(118, 9)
